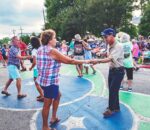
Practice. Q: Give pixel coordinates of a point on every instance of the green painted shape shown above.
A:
(139, 103)
(144, 126)
(98, 83)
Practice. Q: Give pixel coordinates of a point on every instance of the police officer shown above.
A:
(116, 70)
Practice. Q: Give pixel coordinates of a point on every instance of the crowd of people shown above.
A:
(46, 57)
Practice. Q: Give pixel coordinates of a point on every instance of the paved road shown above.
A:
(141, 81)
(20, 120)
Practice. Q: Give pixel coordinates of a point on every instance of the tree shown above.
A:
(130, 29)
(144, 26)
(5, 40)
(68, 17)
(143, 4)
(25, 38)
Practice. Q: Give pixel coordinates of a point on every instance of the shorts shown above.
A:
(13, 72)
(35, 73)
(135, 58)
(86, 65)
(79, 57)
(4, 57)
(51, 91)
(129, 72)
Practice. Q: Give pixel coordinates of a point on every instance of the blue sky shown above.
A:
(16, 13)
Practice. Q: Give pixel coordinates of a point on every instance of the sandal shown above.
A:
(80, 76)
(6, 93)
(54, 122)
(38, 96)
(94, 72)
(21, 96)
(40, 99)
(23, 70)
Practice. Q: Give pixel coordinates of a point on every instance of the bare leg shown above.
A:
(7, 85)
(81, 69)
(87, 68)
(38, 88)
(142, 57)
(22, 65)
(94, 71)
(55, 107)
(18, 84)
(135, 64)
(45, 113)
(4, 62)
(78, 69)
(129, 83)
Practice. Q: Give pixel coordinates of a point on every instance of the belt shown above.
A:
(117, 68)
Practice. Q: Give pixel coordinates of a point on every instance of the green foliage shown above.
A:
(68, 17)
(4, 40)
(25, 38)
(130, 29)
(144, 26)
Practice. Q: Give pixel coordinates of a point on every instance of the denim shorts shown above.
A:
(13, 72)
(51, 91)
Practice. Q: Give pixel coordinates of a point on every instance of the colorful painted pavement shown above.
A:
(82, 104)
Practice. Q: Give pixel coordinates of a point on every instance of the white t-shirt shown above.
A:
(34, 53)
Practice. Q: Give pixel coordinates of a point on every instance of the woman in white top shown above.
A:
(35, 45)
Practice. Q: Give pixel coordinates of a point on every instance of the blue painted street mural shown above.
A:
(72, 88)
(87, 115)
(79, 108)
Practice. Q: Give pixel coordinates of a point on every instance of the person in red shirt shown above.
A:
(1, 59)
(23, 48)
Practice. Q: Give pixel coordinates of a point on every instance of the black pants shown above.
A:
(114, 81)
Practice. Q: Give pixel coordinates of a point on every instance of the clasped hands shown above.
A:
(93, 61)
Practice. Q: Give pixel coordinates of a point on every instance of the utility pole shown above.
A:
(21, 30)
(44, 18)
(14, 31)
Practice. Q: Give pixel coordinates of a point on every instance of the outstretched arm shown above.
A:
(97, 61)
(65, 59)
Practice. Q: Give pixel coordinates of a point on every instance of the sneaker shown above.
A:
(21, 96)
(129, 89)
(94, 72)
(137, 68)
